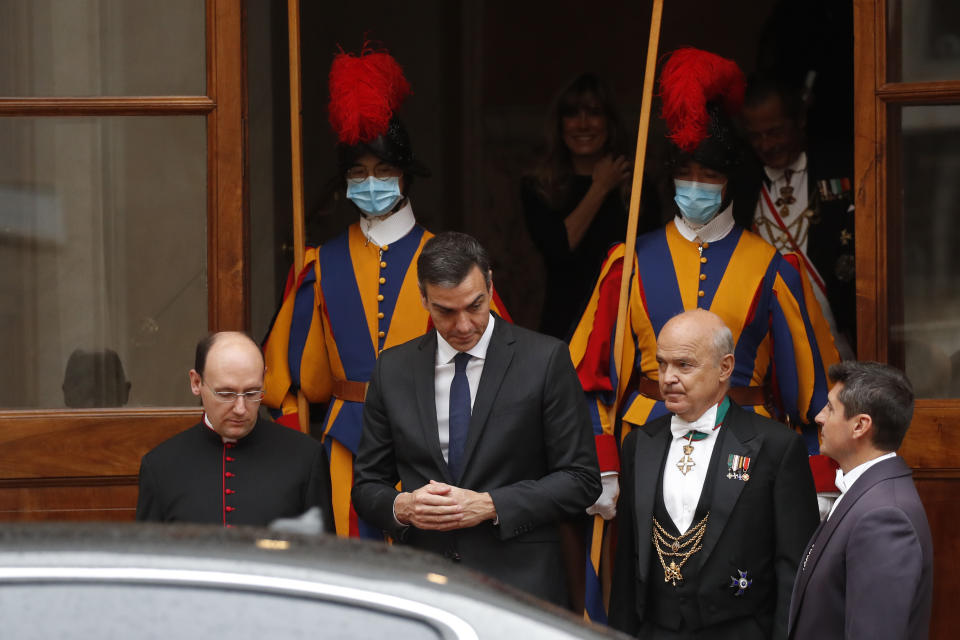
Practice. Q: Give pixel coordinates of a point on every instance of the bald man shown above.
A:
(717, 502)
(232, 467)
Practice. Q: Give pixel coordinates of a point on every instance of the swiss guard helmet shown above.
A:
(366, 90)
(702, 93)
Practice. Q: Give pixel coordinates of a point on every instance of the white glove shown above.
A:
(606, 504)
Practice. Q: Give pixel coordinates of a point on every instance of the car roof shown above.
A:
(391, 576)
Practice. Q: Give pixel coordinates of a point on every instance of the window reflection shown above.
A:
(102, 249)
(923, 40)
(924, 228)
(102, 48)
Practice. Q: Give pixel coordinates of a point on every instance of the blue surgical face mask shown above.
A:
(375, 196)
(698, 201)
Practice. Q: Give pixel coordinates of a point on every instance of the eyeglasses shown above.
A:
(359, 173)
(229, 397)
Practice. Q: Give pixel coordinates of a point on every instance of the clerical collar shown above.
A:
(798, 165)
(209, 424)
(716, 229)
(446, 353)
(387, 230)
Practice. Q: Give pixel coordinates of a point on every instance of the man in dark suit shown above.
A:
(232, 467)
(484, 425)
(717, 503)
(801, 198)
(868, 570)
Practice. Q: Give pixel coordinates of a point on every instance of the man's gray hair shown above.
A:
(723, 342)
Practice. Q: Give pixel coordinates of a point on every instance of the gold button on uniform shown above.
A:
(383, 265)
(701, 293)
(380, 314)
(384, 248)
(380, 297)
(382, 280)
(706, 245)
(703, 261)
(703, 276)
(381, 333)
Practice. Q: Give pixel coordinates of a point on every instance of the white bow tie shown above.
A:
(680, 428)
(840, 482)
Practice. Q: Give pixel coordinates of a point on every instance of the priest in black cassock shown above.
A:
(233, 468)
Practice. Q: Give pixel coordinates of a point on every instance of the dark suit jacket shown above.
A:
(273, 472)
(759, 526)
(530, 445)
(869, 572)
(830, 242)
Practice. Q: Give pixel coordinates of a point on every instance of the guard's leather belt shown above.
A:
(743, 396)
(351, 390)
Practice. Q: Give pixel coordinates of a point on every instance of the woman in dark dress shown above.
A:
(575, 201)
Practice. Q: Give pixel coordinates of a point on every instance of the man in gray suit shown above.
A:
(484, 425)
(868, 570)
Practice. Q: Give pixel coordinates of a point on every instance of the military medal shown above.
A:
(686, 462)
(738, 467)
(786, 194)
(740, 583)
(845, 268)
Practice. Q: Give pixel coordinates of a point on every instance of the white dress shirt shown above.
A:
(443, 376)
(681, 492)
(385, 230)
(845, 480)
(715, 230)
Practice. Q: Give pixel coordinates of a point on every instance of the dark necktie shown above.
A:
(459, 414)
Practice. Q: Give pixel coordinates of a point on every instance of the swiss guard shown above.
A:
(357, 294)
(702, 259)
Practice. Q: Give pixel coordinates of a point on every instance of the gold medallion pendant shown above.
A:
(680, 547)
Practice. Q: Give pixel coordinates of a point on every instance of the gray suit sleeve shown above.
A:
(572, 482)
(884, 563)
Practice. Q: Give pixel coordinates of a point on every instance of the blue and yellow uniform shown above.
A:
(781, 337)
(353, 299)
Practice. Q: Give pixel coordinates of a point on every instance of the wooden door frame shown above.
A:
(933, 441)
(85, 476)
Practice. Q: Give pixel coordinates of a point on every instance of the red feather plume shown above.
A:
(691, 78)
(365, 91)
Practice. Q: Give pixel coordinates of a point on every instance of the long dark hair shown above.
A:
(553, 174)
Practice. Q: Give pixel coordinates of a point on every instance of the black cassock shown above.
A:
(273, 472)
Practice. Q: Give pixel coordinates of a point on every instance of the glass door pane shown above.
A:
(102, 48)
(924, 228)
(923, 40)
(102, 257)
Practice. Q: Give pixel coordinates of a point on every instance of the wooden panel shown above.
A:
(921, 92)
(941, 499)
(98, 502)
(868, 167)
(934, 436)
(161, 105)
(80, 465)
(227, 220)
(89, 443)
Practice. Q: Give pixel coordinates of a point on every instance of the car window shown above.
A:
(93, 610)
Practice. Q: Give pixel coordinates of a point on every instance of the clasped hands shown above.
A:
(442, 507)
